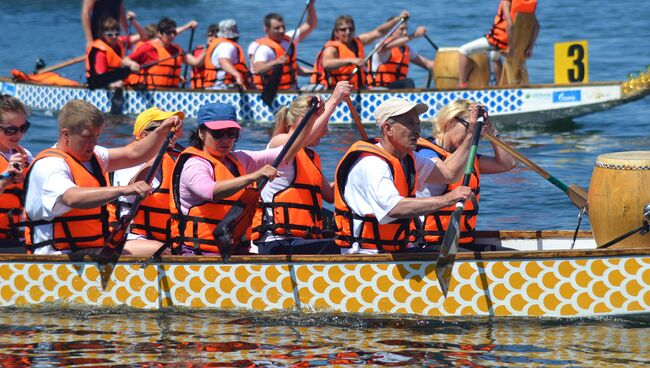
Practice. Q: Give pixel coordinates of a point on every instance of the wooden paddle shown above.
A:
(232, 228)
(356, 118)
(270, 88)
(447, 254)
(114, 244)
(62, 64)
(576, 194)
(104, 79)
(430, 74)
(187, 65)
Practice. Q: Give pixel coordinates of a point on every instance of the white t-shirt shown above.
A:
(227, 51)
(265, 53)
(370, 190)
(49, 179)
(382, 57)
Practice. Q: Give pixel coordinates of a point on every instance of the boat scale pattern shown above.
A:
(570, 287)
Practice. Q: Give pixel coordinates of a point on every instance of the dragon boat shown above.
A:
(530, 103)
(515, 273)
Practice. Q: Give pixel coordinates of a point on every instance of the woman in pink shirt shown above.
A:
(209, 177)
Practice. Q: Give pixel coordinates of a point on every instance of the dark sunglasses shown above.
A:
(112, 34)
(343, 29)
(14, 130)
(232, 133)
(170, 33)
(463, 121)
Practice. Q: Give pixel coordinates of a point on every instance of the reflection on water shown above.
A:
(48, 337)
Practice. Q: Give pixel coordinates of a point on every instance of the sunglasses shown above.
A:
(232, 133)
(170, 33)
(14, 130)
(111, 34)
(343, 29)
(463, 121)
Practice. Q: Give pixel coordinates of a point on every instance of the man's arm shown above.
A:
(85, 198)
(312, 21)
(262, 62)
(413, 207)
(371, 36)
(332, 61)
(123, 20)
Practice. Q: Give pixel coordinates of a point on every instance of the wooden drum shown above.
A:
(619, 190)
(445, 69)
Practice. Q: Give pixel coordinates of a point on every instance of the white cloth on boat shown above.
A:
(197, 177)
(478, 45)
(227, 51)
(123, 178)
(265, 54)
(49, 179)
(370, 190)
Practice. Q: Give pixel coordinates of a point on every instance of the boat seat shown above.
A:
(522, 36)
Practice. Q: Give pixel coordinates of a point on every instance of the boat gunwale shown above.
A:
(492, 255)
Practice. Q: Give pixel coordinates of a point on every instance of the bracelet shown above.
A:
(497, 134)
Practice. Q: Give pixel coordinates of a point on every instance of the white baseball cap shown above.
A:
(395, 107)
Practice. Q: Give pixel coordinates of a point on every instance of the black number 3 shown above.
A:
(577, 74)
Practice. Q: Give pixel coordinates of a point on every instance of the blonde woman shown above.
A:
(289, 220)
(450, 127)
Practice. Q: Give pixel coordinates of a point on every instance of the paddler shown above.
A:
(225, 62)
(210, 176)
(496, 40)
(106, 52)
(344, 51)
(151, 224)
(267, 52)
(14, 160)
(289, 218)
(376, 182)
(167, 56)
(450, 128)
(389, 66)
(67, 190)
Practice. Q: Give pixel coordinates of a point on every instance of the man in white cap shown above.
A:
(376, 181)
(225, 62)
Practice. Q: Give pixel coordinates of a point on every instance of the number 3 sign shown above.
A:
(571, 62)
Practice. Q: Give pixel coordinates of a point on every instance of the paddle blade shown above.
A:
(235, 224)
(271, 86)
(579, 197)
(447, 255)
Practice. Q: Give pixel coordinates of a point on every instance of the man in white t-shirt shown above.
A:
(389, 65)
(227, 62)
(263, 57)
(67, 189)
(376, 181)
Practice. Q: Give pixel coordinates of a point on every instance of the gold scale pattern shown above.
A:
(547, 287)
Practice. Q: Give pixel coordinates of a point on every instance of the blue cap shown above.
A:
(217, 115)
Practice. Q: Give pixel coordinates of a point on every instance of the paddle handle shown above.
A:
(72, 61)
(469, 167)
(356, 118)
(431, 42)
(8, 175)
(545, 174)
(189, 48)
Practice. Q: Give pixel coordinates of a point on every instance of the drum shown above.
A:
(445, 69)
(619, 190)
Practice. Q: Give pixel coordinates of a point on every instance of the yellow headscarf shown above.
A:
(150, 115)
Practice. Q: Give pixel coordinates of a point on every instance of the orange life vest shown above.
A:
(211, 70)
(153, 218)
(113, 59)
(77, 228)
(165, 74)
(391, 237)
(12, 202)
(198, 72)
(289, 69)
(498, 34)
(435, 224)
(297, 209)
(331, 77)
(196, 228)
(394, 69)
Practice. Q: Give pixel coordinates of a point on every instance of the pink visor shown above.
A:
(221, 124)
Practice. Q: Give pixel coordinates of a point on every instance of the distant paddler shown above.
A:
(273, 49)
(151, 223)
(106, 52)
(67, 188)
(167, 57)
(210, 177)
(496, 40)
(344, 52)
(376, 182)
(389, 67)
(93, 14)
(14, 160)
(451, 128)
(198, 71)
(225, 62)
